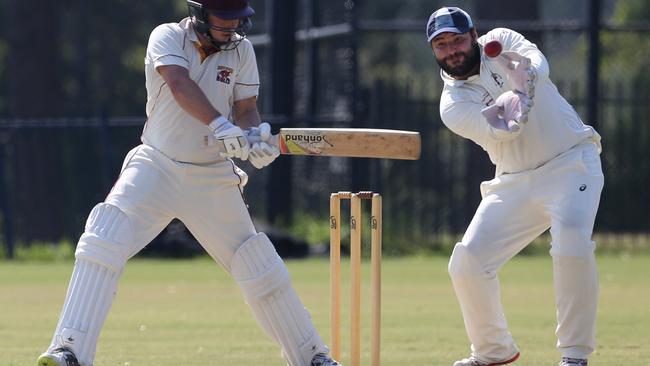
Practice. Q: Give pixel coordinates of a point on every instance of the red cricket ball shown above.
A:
(492, 48)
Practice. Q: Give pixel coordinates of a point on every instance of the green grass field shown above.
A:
(191, 313)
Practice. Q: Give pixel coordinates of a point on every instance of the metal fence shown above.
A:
(54, 171)
(338, 64)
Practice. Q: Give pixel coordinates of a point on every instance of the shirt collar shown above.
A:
(448, 80)
(186, 25)
(204, 51)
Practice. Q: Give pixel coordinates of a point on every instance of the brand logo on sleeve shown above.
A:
(223, 74)
(497, 79)
(487, 99)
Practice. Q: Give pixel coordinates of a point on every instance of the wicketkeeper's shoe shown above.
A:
(472, 361)
(567, 361)
(322, 359)
(58, 357)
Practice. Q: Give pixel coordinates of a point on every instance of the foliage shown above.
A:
(625, 82)
(98, 61)
(96, 49)
(315, 232)
(42, 252)
(627, 54)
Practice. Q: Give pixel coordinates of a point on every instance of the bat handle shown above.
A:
(274, 140)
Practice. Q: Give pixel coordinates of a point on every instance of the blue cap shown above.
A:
(448, 19)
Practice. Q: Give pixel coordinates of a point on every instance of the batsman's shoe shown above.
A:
(58, 357)
(322, 359)
(567, 361)
(472, 361)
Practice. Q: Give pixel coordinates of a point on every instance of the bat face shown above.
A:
(344, 142)
(350, 142)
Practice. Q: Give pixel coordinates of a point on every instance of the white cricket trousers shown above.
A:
(153, 189)
(150, 191)
(562, 195)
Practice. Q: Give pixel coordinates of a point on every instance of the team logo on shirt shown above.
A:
(223, 74)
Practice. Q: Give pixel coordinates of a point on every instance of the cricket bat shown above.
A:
(348, 142)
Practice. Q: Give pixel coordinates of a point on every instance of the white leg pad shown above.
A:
(107, 237)
(575, 279)
(479, 295)
(267, 288)
(101, 254)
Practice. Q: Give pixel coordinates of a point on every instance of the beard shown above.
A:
(471, 59)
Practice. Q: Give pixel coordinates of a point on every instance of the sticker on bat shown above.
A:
(304, 143)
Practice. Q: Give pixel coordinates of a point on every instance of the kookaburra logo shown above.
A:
(306, 139)
(333, 223)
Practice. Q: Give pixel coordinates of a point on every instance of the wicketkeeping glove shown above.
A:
(520, 71)
(233, 138)
(508, 111)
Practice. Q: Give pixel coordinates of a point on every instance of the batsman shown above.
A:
(202, 84)
(497, 93)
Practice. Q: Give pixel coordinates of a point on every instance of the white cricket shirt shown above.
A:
(553, 125)
(224, 77)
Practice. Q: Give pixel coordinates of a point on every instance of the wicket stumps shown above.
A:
(355, 276)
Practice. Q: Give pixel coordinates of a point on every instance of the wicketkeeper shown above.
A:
(548, 175)
(202, 85)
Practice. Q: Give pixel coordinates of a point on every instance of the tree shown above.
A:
(627, 54)
(625, 128)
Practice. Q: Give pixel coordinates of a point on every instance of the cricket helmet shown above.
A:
(224, 9)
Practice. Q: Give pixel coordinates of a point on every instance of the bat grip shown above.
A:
(210, 140)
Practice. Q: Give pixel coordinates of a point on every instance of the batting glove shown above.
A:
(508, 111)
(259, 133)
(233, 138)
(262, 153)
